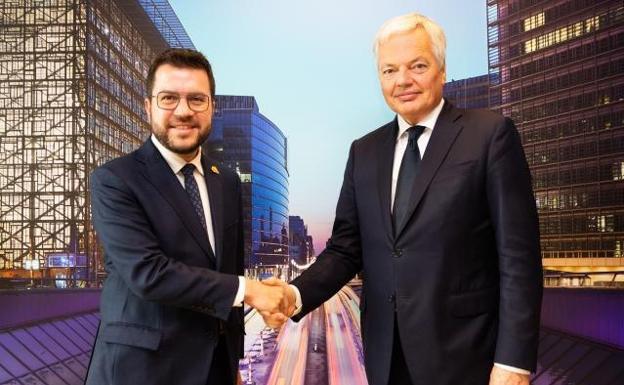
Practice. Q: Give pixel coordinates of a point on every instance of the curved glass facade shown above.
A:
(249, 143)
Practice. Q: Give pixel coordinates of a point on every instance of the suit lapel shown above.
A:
(444, 133)
(164, 180)
(384, 174)
(215, 196)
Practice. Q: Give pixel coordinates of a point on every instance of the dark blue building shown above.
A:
(249, 143)
(301, 244)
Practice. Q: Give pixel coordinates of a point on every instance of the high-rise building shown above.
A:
(558, 68)
(301, 247)
(72, 76)
(166, 21)
(469, 93)
(250, 144)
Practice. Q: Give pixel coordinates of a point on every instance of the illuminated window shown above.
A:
(245, 178)
(604, 223)
(592, 24)
(534, 21)
(530, 46)
(618, 170)
(557, 36)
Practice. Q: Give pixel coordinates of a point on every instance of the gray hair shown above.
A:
(410, 22)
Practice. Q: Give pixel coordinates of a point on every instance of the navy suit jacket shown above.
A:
(463, 271)
(167, 294)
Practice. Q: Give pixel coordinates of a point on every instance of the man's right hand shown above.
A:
(268, 299)
(288, 304)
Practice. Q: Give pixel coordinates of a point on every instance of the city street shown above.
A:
(297, 356)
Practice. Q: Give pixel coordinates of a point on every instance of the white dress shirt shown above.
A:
(402, 138)
(176, 163)
(428, 122)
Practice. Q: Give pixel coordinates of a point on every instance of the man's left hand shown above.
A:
(500, 376)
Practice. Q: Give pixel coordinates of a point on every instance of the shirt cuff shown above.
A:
(240, 293)
(512, 369)
(298, 303)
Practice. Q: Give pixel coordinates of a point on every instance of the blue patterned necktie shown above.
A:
(407, 176)
(190, 185)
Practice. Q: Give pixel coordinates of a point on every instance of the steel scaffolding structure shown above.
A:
(71, 98)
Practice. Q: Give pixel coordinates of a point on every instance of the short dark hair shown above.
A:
(181, 58)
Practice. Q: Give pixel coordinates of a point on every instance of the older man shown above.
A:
(436, 209)
(170, 221)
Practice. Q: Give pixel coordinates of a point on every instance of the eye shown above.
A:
(197, 99)
(387, 71)
(168, 97)
(420, 67)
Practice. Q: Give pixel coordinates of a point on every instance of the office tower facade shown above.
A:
(301, 244)
(471, 92)
(249, 143)
(558, 68)
(72, 76)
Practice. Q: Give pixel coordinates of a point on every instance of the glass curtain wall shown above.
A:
(558, 69)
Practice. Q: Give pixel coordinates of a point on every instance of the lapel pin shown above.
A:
(214, 169)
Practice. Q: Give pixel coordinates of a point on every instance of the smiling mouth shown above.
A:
(182, 127)
(407, 96)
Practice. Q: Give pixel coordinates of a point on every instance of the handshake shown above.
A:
(273, 298)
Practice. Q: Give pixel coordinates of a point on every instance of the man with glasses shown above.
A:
(170, 221)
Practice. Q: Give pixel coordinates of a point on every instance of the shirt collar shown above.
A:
(429, 121)
(174, 160)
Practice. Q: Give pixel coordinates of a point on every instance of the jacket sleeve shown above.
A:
(514, 215)
(342, 258)
(132, 249)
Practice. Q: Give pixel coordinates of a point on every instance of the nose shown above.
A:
(403, 78)
(182, 108)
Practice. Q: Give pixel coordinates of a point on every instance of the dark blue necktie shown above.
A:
(407, 176)
(190, 185)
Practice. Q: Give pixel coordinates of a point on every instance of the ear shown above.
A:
(148, 104)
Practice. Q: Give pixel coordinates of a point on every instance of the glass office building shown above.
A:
(301, 244)
(558, 68)
(249, 143)
(166, 21)
(469, 93)
(72, 78)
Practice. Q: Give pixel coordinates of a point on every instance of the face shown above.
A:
(411, 79)
(181, 130)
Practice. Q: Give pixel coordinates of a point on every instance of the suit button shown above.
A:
(391, 298)
(397, 253)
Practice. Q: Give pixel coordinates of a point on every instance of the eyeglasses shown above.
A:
(169, 101)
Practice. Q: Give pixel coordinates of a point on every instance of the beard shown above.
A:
(168, 140)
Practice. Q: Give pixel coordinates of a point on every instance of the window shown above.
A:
(534, 21)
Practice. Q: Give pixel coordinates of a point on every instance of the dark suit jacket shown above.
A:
(463, 271)
(166, 293)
